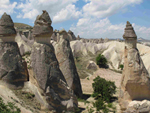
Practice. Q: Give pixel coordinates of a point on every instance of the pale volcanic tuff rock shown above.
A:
(42, 29)
(67, 64)
(13, 68)
(135, 84)
(56, 93)
(78, 37)
(71, 35)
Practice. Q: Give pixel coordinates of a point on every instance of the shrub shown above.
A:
(104, 89)
(121, 66)
(101, 61)
(8, 108)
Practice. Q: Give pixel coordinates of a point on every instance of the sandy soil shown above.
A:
(87, 85)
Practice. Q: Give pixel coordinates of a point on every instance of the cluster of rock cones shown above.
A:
(58, 88)
(55, 72)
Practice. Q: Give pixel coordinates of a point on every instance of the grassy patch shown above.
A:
(8, 107)
(28, 100)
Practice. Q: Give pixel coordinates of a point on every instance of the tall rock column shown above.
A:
(135, 83)
(67, 64)
(13, 69)
(50, 79)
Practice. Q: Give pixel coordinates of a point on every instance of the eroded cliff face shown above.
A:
(135, 83)
(66, 62)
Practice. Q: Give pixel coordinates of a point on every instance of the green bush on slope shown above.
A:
(101, 61)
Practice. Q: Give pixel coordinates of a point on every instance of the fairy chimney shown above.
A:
(135, 83)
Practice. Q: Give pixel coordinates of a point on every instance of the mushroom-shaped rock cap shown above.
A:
(63, 32)
(42, 25)
(129, 31)
(44, 18)
(7, 25)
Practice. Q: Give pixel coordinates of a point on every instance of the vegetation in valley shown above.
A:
(101, 61)
(28, 100)
(8, 107)
(103, 93)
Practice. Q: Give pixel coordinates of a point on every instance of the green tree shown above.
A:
(101, 61)
(104, 89)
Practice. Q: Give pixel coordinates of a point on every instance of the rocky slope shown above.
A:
(112, 50)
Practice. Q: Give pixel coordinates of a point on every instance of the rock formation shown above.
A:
(71, 35)
(7, 31)
(54, 35)
(67, 64)
(13, 69)
(56, 93)
(42, 29)
(78, 37)
(135, 84)
(92, 65)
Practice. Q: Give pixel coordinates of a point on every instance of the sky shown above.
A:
(86, 18)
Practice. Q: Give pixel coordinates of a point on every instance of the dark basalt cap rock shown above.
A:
(129, 31)
(7, 25)
(42, 25)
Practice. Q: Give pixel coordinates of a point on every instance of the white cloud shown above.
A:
(91, 28)
(105, 8)
(95, 22)
(67, 13)
(6, 6)
(98, 29)
(142, 31)
(59, 10)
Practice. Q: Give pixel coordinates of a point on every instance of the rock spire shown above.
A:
(13, 69)
(57, 95)
(135, 83)
(66, 62)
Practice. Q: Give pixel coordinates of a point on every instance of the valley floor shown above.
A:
(88, 90)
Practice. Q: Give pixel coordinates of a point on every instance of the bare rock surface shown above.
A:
(135, 76)
(56, 95)
(112, 50)
(13, 68)
(42, 25)
(71, 35)
(138, 107)
(24, 44)
(67, 64)
(7, 26)
(92, 65)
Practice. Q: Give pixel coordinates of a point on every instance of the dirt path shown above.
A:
(104, 73)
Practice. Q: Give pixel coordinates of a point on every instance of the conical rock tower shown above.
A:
(135, 83)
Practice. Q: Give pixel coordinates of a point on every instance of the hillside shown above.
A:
(21, 25)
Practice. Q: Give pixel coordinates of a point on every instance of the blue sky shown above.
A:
(87, 18)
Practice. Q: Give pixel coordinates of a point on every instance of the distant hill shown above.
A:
(21, 25)
(142, 40)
